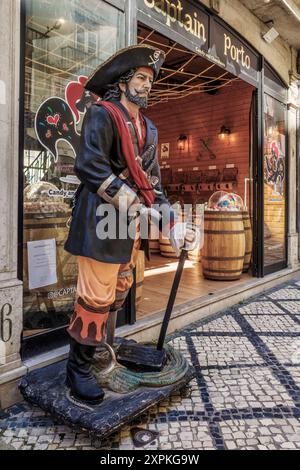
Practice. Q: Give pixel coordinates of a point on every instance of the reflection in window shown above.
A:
(274, 181)
(65, 41)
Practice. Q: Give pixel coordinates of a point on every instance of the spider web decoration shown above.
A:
(184, 73)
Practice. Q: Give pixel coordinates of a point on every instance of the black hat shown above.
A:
(124, 60)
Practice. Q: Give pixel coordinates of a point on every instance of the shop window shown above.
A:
(65, 41)
(274, 181)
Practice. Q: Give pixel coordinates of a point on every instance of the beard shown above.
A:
(141, 101)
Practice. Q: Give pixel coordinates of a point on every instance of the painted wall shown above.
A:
(202, 117)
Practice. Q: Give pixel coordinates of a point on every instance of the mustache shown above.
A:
(141, 92)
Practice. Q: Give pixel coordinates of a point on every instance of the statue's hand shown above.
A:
(184, 235)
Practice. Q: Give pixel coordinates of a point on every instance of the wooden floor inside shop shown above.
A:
(159, 275)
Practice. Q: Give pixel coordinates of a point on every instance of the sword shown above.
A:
(146, 358)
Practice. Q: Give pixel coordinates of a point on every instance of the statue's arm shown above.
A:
(93, 161)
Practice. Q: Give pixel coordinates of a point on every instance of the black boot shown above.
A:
(80, 379)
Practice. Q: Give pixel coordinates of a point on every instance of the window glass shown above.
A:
(65, 41)
(273, 82)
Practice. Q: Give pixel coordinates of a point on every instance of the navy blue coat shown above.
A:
(100, 158)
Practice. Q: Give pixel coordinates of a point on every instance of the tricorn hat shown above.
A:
(124, 60)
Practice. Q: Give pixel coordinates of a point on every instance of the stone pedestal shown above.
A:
(46, 389)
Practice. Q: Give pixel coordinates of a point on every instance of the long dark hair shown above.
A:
(114, 92)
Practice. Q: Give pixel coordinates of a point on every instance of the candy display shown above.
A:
(44, 197)
(223, 201)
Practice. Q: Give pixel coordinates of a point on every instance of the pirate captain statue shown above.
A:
(116, 162)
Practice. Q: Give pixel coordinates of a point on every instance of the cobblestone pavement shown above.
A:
(246, 394)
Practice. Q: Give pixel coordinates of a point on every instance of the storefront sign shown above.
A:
(206, 35)
(180, 16)
(236, 52)
(232, 53)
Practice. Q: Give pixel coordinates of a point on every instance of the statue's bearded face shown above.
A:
(137, 90)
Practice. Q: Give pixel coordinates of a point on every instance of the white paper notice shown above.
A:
(41, 263)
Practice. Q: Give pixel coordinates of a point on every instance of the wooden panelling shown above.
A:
(201, 117)
(159, 275)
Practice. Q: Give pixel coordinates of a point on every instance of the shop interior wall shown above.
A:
(201, 117)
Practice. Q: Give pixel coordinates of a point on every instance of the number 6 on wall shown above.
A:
(5, 323)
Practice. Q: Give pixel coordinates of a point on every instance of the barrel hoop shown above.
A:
(222, 278)
(223, 220)
(224, 232)
(247, 228)
(228, 213)
(248, 253)
(214, 258)
(208, 270)
(46, 215)
(48, 226)
(139, 284)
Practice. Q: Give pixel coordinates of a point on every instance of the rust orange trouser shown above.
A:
(101, 288)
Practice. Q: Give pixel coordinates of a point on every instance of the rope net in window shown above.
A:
(184, 73)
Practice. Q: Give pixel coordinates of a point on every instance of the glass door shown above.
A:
(275, 172)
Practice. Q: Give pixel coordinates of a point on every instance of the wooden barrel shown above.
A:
(139, 273)
(154, 246)
(224, 245)
(195, 255)
(248, 241)
(154, 239)
(165, 246)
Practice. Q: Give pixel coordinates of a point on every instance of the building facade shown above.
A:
(50, 47)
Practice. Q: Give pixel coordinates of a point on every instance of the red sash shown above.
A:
(134, 168)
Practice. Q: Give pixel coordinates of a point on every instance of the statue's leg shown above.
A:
(95, 293)
(124, 283)
(111, 327)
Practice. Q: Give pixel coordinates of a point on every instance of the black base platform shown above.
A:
(46, 388)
